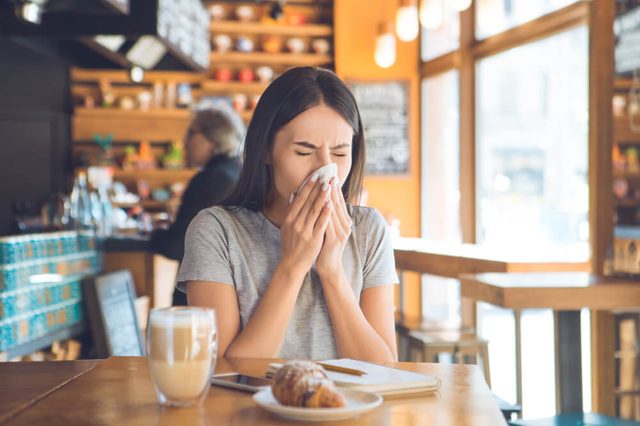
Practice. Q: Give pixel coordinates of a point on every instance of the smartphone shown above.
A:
(240, 382)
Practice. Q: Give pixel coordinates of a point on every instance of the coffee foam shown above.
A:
(169, 318)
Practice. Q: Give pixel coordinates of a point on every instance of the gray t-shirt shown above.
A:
(241, 248)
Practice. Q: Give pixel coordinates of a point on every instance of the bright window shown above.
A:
(532, 146)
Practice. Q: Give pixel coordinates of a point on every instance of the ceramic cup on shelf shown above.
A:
(320, 46)
(246, 75)
(272, 44)
(296, 45)
(264, 73)
(223, 74)
(222, 43)
(217, 12)
(244, 44)
(239, 102)
(245, 13)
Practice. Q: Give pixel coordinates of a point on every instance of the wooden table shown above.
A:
(119, 391)
(23, 384)
(566, 293)
(452, 260)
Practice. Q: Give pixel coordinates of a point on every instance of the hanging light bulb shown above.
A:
(385, 53)
(461, 5)
(431, 13)
(407, 25)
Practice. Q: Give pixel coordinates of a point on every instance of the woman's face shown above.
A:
(313, 139)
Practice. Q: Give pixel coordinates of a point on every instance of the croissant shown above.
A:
(305, 384)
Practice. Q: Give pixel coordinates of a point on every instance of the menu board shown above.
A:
(384, 107)
(627, 33)
(110, 305)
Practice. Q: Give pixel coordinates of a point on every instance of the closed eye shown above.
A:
(303, 154)
(340, 155)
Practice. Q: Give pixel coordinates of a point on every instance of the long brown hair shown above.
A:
(289, 95)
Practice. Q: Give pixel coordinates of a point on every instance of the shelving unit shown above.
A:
(624, 139)
(161, 127)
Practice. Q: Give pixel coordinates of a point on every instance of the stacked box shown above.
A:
(40, 283)
(29, 326)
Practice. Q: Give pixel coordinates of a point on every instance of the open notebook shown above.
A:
(379, 379)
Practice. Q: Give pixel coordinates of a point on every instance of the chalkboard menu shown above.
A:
(384, 108)
(110, 303)
(627, 33)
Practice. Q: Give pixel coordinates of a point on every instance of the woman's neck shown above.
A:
(275, 210)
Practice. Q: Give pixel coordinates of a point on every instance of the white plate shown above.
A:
(357, 402)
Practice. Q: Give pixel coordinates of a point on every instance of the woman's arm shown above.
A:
(362, 331)
(263, 335)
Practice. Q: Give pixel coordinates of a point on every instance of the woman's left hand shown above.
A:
(329, 260)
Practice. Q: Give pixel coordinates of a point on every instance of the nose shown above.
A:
(324, 157)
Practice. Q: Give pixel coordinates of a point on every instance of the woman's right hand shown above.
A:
(302, 231)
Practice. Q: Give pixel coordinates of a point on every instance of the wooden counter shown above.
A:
(153, 274)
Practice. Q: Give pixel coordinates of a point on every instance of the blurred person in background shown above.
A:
(211, 144)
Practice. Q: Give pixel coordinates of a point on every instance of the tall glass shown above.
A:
(182, 351)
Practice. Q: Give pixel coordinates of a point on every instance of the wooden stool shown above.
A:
(426, 346)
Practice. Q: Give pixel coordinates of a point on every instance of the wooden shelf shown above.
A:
(232, 87)
(301, 59)
(153, 125)
(243, 28)
(154, 174)
(622, 83)
(121, 113)
(116, 76)
(622, 132)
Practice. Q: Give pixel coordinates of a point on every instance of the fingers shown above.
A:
(342, 216)
(299, 199)
(324, 220)
(314, 206)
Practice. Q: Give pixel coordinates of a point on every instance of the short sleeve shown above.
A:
(380, 265)
(206, 250)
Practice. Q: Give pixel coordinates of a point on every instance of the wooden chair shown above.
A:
(464, 347)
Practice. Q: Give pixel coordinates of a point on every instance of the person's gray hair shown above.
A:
(219, 128)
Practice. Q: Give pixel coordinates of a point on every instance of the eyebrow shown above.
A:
(312, 146)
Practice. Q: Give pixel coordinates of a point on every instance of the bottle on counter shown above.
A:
(80, 200)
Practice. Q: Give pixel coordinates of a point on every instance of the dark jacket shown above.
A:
(205, 189)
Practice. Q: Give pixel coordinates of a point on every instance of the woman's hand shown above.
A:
(329, 262)
(304, 225)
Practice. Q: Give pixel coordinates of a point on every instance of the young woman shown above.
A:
(296, 272)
